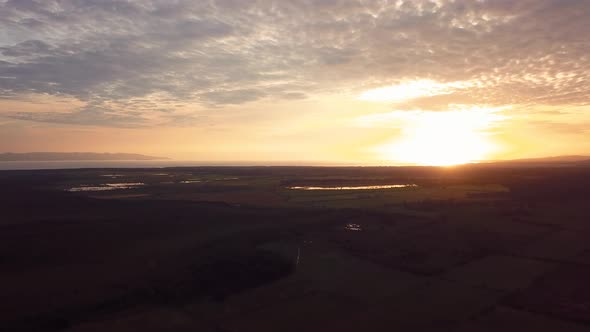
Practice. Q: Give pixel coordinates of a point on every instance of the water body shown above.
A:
(190, 181)
(31, 165)
(353, 227)
(373, 187)
(107, 187)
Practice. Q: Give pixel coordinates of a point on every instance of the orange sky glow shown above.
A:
(357, 82)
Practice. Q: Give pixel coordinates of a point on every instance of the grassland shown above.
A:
(235, 249)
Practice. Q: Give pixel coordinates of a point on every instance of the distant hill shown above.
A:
(68, 156)
(560, 159)
(555, 160)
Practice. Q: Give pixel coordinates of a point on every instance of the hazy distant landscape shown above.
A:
(557, 160)
(73, 156)
(66, 160)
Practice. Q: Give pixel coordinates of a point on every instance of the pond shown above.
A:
(106, 187)
(371, 187)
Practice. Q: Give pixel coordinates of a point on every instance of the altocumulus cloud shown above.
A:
(129, 60)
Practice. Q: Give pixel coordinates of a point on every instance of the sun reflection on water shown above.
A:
(373, 187)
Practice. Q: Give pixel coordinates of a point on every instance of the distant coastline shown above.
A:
(119, 164)
(75, 156)
(40, 161)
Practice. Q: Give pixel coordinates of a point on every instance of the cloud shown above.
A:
(481, 117)
(219, 52)
(94, 116)
(233, 96)
(27, 48)
(413, 90)
(562, 128)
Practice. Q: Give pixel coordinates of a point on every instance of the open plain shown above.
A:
(466, 248)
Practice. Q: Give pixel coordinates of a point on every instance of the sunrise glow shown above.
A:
(304, 82)
(444, 138)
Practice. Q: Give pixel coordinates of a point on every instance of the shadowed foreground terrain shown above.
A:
(473, 248)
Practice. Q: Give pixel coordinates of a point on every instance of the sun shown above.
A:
(443, 138)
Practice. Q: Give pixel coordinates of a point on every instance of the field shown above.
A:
(471, 248)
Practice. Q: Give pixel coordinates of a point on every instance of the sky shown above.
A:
(381, 82)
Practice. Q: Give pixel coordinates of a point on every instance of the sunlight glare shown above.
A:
(444, 138)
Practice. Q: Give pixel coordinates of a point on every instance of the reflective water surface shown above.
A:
(382, 186)
(106, 187)
(353, 227)
(190, 181)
